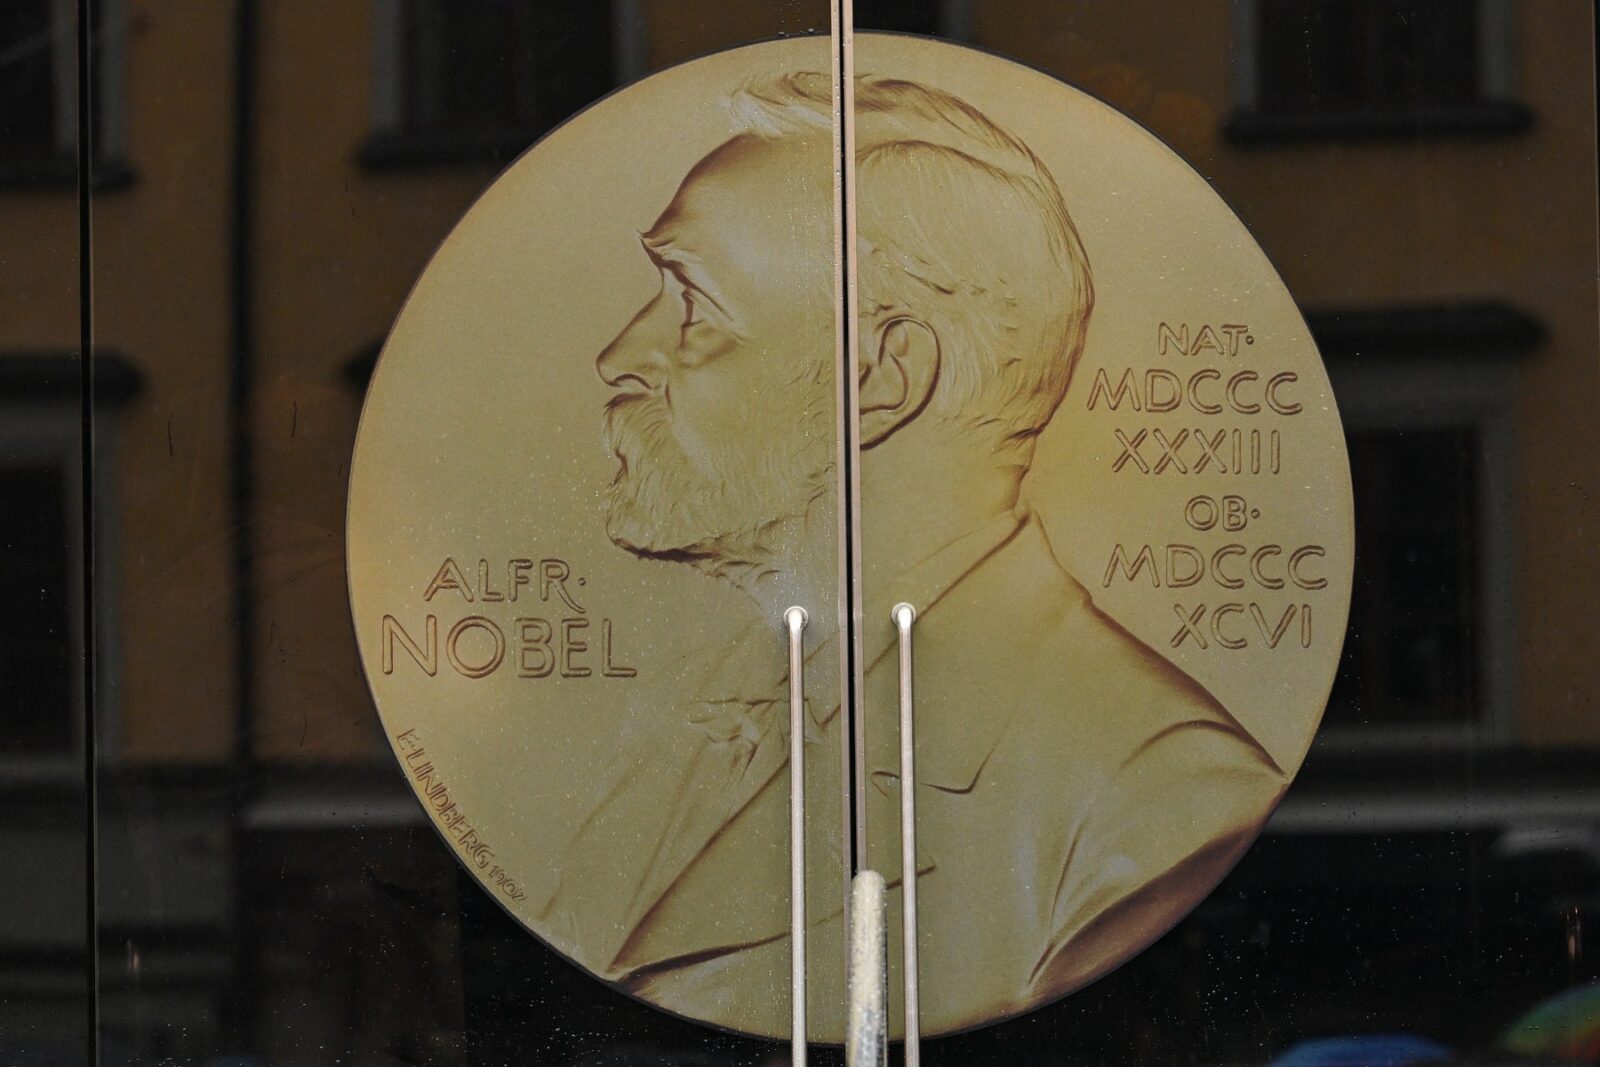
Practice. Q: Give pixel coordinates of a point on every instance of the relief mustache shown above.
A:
(635, 423)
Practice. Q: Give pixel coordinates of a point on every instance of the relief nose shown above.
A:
(637, 357)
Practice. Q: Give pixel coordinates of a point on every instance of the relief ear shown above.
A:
(899, 371)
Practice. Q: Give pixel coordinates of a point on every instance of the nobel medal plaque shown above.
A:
(599, 457)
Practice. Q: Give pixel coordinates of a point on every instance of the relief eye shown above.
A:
(691, 310)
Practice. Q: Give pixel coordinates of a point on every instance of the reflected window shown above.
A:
(38, 91)
(1357, 67)
(43, 556)
(37, 72)
(1345, 56)
(482, 79)
(905, 16)
(1411, 653)
(950, 19)
(488, 65)
(1426, 394)
(37, 708)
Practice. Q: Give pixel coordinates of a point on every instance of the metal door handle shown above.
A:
(904, 615)
(795, 620)
(866, 1041)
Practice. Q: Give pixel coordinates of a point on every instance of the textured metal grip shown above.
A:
(867, 1024)
(795, 620)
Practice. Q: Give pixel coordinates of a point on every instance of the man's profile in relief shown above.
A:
(1077, 793)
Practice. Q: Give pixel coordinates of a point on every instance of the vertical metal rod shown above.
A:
(795, 620)
(852, 735)
(83, 99)
(847, 104)
(904, 615)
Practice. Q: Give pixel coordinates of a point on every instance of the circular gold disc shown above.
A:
(598, 459)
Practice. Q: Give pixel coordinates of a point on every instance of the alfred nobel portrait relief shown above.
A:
(1077, 792)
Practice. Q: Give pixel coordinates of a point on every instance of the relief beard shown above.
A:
(663, 505)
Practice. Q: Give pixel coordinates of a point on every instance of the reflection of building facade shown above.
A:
(272, 177)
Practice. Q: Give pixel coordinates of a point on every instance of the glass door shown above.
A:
(419, 415)
(549, 564)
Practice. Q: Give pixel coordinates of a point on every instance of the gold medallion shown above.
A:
(1099, 455)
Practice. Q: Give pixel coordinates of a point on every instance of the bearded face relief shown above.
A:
(721, 412)
(676, 494)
